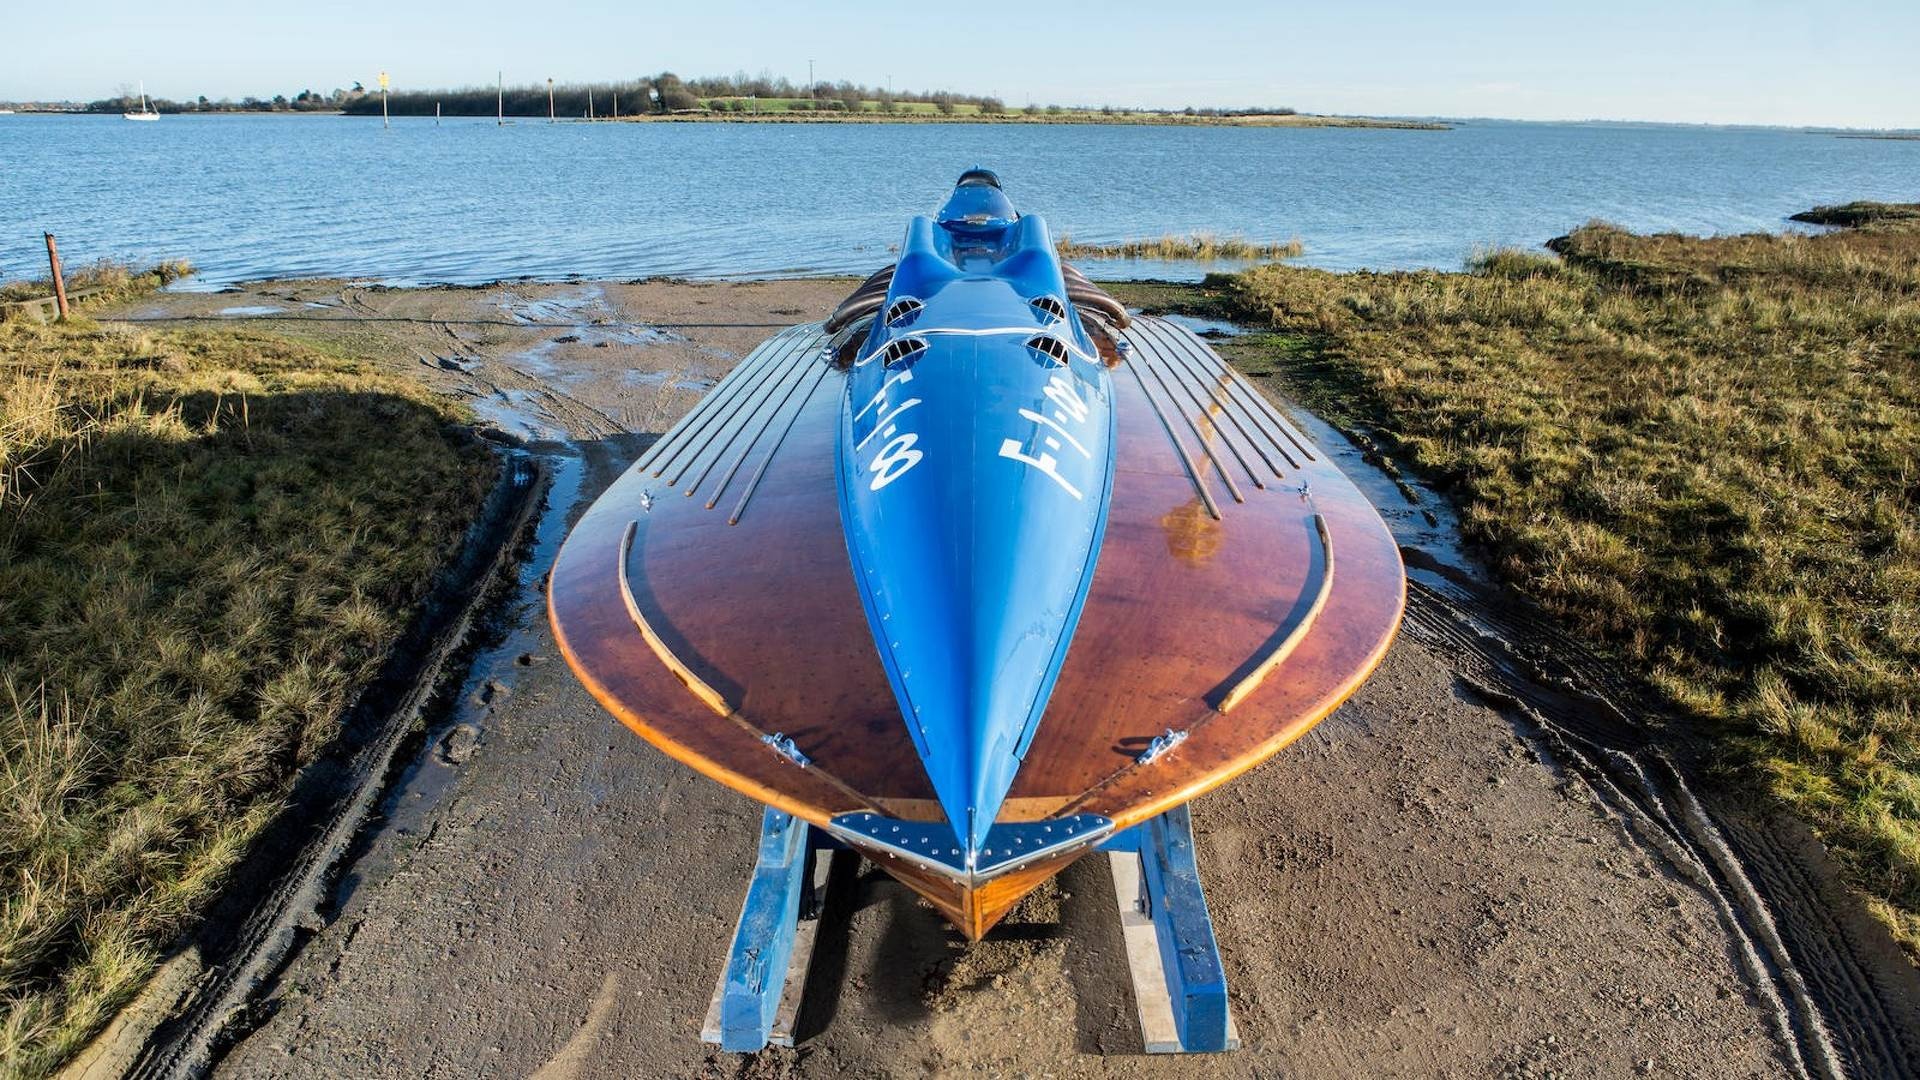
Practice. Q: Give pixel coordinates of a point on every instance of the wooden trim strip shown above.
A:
(1233, 489)
(723, 392)
(748, 382)
(1285, 649)
(711, 697)
(753, 482)
(1258, 405)
(681, 671)
(792, 368)
(1179, 451)
(1233, 408)
(747, 447)
(1241, 690)
(1210, 411)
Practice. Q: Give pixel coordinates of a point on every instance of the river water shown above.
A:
(466, 201)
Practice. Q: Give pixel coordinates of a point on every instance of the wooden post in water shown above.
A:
(59, 280)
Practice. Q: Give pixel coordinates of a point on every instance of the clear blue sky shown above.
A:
(1851, 62)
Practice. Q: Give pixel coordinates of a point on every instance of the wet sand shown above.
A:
(1431, 883)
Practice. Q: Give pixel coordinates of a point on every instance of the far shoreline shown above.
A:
(1062, 119)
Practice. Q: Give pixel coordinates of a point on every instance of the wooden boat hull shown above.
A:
(1244, 589)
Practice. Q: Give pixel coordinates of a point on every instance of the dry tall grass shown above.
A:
(208, 541)
(1193, 247)
(109, 279)
(1705, 452)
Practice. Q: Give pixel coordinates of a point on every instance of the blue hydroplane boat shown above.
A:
(975, 577)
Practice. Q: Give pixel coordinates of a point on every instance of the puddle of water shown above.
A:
(670, 379)
(560, 307)
(1207, 328)
(252, 309)
(490, 678)
(518, 413)
(588, 319)
(1423, 521)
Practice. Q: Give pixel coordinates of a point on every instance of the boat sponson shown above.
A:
(746, 578)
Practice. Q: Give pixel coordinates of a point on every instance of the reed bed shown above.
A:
(1192, 247)
(208, 543)
(1705, 453)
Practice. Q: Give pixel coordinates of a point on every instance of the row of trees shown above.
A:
(127, 99)
(665, 93)
(662, 93)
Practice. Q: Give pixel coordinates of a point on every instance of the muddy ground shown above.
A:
(1484, 864)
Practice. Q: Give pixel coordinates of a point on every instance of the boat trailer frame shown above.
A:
(1179, 985)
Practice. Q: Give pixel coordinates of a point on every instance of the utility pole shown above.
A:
(549, 99)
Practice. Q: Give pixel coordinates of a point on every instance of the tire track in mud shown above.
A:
(247, 946)
(1844, 1000)
(493, 376)
(1833, 1011)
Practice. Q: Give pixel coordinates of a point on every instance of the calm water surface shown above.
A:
(467, 201)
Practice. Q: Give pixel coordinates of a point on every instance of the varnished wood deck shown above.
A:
(1245, 589)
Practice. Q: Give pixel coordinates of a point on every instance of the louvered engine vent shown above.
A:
(903, 310)
(1050, 307)
(900, 350)
(1050, 347)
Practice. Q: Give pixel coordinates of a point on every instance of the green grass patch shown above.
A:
(209, 541)
(1704, 453)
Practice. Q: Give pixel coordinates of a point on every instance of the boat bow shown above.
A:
(975, 467)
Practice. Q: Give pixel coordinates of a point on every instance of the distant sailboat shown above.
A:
(146, 111)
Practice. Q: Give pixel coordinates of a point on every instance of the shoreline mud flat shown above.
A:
(1481, 864)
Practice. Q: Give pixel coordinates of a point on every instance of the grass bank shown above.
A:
(1193, 247)
(1703, 452)
(208, 542)
(98, 283)
(1859, 215)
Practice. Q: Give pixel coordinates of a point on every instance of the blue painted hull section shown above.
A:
(976, 465)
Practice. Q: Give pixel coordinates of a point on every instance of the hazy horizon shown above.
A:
(1719, 62)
